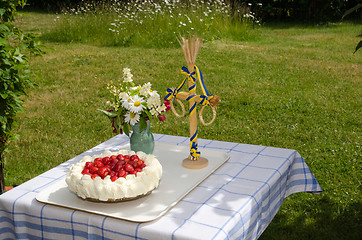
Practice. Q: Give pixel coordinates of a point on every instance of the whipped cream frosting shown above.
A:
(123, 188)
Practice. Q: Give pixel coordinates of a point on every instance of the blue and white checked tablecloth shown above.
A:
(237, 201)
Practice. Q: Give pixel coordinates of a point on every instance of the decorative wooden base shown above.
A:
(195, 164)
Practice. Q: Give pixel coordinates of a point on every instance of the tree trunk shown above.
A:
(2, 179)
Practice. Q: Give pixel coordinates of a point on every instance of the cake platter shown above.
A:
(176, 183)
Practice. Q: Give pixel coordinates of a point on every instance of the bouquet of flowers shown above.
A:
(133, 104)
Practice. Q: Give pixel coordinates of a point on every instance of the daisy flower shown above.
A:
(126, 102)
(123, 96)
(135, 88)
(136, 105)
(132, 118)
(154, 94)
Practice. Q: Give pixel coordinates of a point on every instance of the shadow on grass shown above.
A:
(328, 221)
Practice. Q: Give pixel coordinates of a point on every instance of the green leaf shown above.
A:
(3, 121)
(349, 11)
(149, 115)
(126, 129)
(18, 55)
(108, 114)
(4, 95)
(2, 11)
(143, 124)
(3, 41)
(359, 45)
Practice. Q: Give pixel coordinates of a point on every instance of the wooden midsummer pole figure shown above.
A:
(190, 49)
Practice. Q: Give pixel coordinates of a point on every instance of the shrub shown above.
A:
(15, 76)
(301, 10)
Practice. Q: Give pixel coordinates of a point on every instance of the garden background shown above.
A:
(286, 75)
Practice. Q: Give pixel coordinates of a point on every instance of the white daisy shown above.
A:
(123, 96)
(154, 94)
(135, 88)
(126, 102)
(136, 105)
(132, 118)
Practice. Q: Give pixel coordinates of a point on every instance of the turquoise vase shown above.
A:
(142, 141)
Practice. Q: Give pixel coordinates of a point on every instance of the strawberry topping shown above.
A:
(114, 166)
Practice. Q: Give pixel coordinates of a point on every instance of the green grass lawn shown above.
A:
(291, 86)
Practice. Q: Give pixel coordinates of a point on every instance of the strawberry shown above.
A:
(98, 164)
(106, 160)
(118, 167)
(114, 161)
(134, 164)
(121, 173)
(134, 158)
(112, 173)
(128, 168)
(122, 162)
(103, 172)
(85, 171)
(112, 165)
(93, 170)
(114, 178)
(126, 158)
(88, 165)
(94, 176)
(139, 162)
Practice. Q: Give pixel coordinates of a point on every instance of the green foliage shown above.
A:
(354, 9)
(301, 10)
(15, 76)
(359, 45)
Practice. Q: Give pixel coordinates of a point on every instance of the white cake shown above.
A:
(112, 186)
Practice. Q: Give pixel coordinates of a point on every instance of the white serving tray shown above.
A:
(176, 183)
